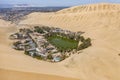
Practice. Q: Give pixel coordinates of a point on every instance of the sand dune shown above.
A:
(101, 23)
(101, 61)
(16, 75)
(4, 23)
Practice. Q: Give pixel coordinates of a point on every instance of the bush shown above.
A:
(38, 29)
(49, 57)
(38, 57)
(86, 43)
(82, 38)
(26, 52)
(16, 43)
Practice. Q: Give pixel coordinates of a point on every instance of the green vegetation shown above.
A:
(49, 57)
(26, 52)
(38, 57)
(85, 43)
(38, 29)
(35, 56)
(17, 43)
(63, 43)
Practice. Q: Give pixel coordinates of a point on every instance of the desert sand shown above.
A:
(101, 61)
(4, 23)
(16, 75)
(15, 65)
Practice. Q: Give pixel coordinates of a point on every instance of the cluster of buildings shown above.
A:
(36, 45)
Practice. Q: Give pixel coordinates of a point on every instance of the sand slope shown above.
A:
(101, 23)
(4, 23)
(16, 75)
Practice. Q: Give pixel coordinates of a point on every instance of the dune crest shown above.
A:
(92, 7)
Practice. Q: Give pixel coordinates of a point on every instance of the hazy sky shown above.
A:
(56, 2)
